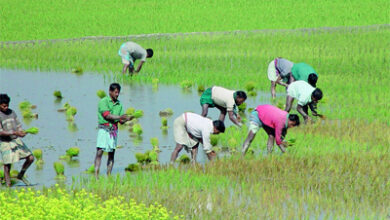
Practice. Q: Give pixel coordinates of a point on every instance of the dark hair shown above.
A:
(114, 86)
(317, 94)
(295, 118)
(149, 51)
(312, 79)
(4, 99)
(219, 125)
(241, 94)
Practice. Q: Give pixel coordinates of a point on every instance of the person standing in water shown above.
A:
(110, 113)
(130, 52)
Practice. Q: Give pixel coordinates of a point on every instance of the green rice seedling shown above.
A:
(77, 70)
(71, 111)
(250, 109)
(73, 152)
(59, 168)
(101, 94)
(201, 88)
(154, 163)
(214, 140)
(153, 155)
(66, 105)
(232, 143)
(91, 169)
(133, 167)
(166, 112)
(1, 174)
(252, 93)
(28, 114)
(138, 114)
(242, 107)
(186, 84)
(57, 94)
(250, 86)
(154, 141)
(32, 130)
(130, 111)
(164, 122)
(25, 105)
(184, 159)
(137, 129)
(141, 157)
(37, 154)
(65, 157)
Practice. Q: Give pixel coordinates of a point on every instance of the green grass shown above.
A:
(26, 20)
(332, 186)
(352, 65)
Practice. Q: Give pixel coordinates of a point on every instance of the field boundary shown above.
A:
(158, 35)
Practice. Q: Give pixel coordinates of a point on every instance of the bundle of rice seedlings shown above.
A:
(214, 140)
(133, 167)
(154, 141)
(186, 84)
(250, 86)
(101, 94)
(138, 114)
(242, 107)
(164, 122)
(73, 152)
(57, 94)
(38, 154)
(184, 159)
(32, 130)
(130, 111)
(137, 129)
(59, 168)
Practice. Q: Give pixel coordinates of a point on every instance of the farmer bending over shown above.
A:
(12, 148)
(274, 121)
(189, 129)
(279, 72)
(303, 71)
(225, 100)
(110, 112)
(130, 52)
(307, 96)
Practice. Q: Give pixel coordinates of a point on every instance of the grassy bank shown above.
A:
(21, 20)
(337, 186)
(352, 65)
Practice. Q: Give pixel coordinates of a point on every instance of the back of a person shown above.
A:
(222, 96)
(196, 123)
(284, 66)
(8, 123)
(300, 90)
(135, 50)
(301, 71)
(271, 115)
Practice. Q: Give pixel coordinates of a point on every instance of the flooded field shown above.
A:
(56, 134)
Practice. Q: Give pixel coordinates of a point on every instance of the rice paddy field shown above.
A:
(337, 168)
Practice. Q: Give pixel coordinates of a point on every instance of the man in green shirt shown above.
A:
(303, 71)
(110, 112)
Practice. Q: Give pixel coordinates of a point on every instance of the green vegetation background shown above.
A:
(49, 19)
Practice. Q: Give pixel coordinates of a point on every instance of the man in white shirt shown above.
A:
(189, 129)
(225, 100)
(130, 52)
(307, 96)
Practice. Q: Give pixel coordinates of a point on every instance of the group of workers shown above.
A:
(189, 129)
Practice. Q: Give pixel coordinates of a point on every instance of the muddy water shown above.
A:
(56, 134)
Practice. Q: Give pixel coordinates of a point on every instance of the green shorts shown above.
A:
(206, 98)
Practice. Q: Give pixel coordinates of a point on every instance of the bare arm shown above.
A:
(302, 112)
(247, 142)
(289, 101)
(313, 108)
(194, 153)
(273, 89)
(233, 118)
(125, 68)
(139, 66)
(205, 109)
(9, 133)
